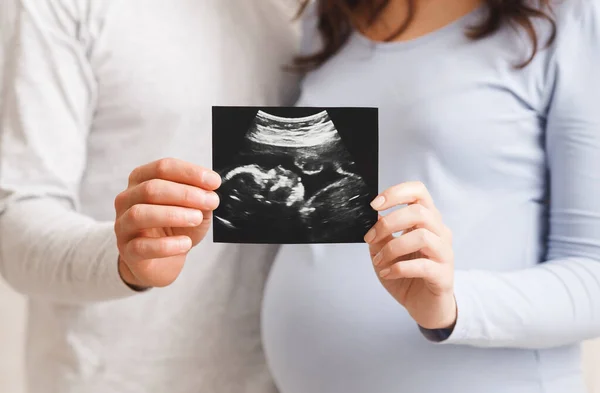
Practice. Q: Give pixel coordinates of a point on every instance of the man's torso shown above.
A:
(158, 67)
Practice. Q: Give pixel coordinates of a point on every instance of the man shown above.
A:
(95, 224)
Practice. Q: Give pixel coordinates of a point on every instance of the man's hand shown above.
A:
(164, 212)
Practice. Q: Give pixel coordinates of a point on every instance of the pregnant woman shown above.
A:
(483, 272)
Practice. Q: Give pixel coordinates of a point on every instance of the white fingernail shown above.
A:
(185, 244)
(212, 199)
(377, 259)
(384, 272)
(370, 236)
(378, 202)
(211, 179)
(194, 217)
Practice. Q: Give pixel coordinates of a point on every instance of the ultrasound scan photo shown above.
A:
(295, 175)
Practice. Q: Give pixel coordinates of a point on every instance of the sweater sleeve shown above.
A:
(558, 301)
(48, 249)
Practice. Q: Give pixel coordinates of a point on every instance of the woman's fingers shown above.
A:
(164, 192)
(413, 268)
(438, 276)
(412, 216)
(147, 248)
(142, 216)
(404, 194)
(375, 247)
(419, 240)
(177, 171)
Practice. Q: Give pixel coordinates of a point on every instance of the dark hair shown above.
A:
(335, 23)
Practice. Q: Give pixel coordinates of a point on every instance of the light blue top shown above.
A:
(512, 160)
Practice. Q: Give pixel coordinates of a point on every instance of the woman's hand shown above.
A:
(416, 268)
(164, 212)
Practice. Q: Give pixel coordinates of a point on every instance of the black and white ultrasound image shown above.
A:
(295, 175)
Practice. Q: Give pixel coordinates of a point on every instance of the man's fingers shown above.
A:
(168, 193)
(177, 171)
(140, 217)
(146, 248)
(153, 262)
(164, 192)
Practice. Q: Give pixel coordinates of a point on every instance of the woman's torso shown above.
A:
(456, 115)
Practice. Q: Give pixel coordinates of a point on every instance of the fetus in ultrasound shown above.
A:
(293, 182)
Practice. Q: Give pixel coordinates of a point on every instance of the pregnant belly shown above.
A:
(318, 319)
(329, 327)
